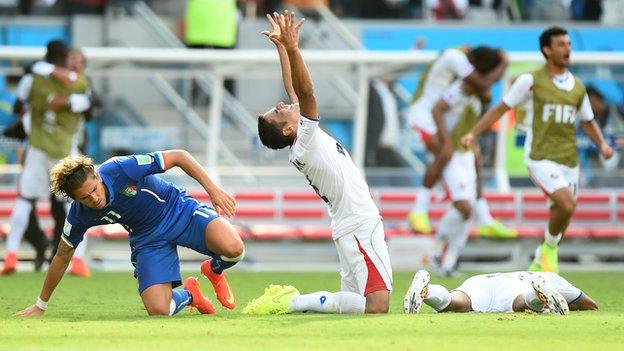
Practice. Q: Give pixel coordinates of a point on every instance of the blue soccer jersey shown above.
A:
(149, 207)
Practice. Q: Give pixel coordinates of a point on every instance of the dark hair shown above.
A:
(271, 135)
(56, 52)
(485, 58)
(546, 36)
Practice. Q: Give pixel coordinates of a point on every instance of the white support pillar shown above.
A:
(214, 120)
(361, 118)
(500, 171)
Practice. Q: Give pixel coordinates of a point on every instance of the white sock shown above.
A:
(454, 230)
(423, 199)
(438, 297)
(482, 212)
(81, 249)
(533, 302)
(326, 302)
(19, 223)
(550, 239)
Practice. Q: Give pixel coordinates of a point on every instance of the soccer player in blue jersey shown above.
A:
(159, 217)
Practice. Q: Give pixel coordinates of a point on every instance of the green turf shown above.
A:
(104, 312)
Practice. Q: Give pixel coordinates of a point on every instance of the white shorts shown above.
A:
(551, 176)
(364, 260)
(460, 177)
(419, 116)
(497, 292)
(34, 181)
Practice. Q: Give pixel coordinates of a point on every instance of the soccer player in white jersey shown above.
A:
(553, 98)
(366, 275)
(499, 292)
(481, 66)
(457, 111)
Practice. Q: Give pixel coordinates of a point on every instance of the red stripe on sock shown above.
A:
(374, 281)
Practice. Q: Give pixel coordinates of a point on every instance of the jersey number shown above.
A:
(317, 191)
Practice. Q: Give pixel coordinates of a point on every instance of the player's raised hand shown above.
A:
(467, 140)
(223, 202)
(30, 311)
(275, 33)
(289, 30)
(606, 151)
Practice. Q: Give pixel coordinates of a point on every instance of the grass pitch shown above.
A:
(105, 312)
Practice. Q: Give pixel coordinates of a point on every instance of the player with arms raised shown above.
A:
(553, 97)
(356, 225)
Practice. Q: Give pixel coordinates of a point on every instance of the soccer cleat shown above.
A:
(417, 292)
(551, 298)
(79, 268)
(496, 230)
(219, 283)
(203, 304)
(10, 264)
(275, 300)
(546, 259)
(419, 222)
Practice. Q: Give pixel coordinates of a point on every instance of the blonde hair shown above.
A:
(69, 174)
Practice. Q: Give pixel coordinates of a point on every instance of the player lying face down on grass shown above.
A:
(158, 216)
(357, 228)
(499, 292)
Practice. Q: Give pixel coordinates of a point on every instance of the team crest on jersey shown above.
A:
(130, 190)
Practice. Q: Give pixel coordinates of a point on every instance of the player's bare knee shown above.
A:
(235, 249)
(464, 208)
(568, 207)
(157, 309)
(378, 302)
(377, 307)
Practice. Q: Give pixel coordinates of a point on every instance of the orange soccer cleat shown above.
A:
(10, 264)
(203, 304)
(79, 268)
(220, 285)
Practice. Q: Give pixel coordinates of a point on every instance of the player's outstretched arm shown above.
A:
(491, 116)
(301, 78)
(223, 202)
(274, 36)
(57, 269)
(595, 135)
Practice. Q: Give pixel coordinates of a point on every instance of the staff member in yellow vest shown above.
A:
(56, 112)
(553, 98)
(211, 24)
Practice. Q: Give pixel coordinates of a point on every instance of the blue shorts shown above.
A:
(157, 262)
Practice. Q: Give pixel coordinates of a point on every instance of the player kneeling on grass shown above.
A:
(159, 217)
(356, 225)
(499, 292)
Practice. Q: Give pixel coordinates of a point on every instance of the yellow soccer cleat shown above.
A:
(419, 222)
(546, 259)
(276, 300)
(496, 230)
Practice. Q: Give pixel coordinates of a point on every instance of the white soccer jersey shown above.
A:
(521, 94)
(453, 64)
(496, 292)
(335, 178)
(457, 101)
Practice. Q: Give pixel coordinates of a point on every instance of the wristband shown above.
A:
(41, 304)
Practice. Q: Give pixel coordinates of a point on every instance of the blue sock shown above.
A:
(180, 298)
(221, 263)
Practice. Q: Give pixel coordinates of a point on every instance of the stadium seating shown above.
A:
(301, 215)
